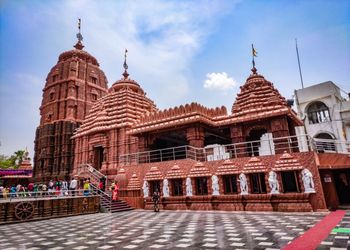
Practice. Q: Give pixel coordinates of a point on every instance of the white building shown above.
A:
(326, 115)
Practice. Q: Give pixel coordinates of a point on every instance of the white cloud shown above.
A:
(220, 81)
(162, 38)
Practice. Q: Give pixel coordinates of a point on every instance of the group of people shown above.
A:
(52, 188)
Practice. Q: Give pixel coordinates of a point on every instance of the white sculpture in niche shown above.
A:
(308, 182)
(215, 185)
(165, 188)
(188, 187)
(243, 184)
(145, 189)
(273, 183)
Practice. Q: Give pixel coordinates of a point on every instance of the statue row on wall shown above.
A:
(307, 179)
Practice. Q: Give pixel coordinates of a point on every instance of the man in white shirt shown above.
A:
(73, 186)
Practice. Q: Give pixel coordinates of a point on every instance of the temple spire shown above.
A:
(125, 65)
(254, 54)
(79, 44)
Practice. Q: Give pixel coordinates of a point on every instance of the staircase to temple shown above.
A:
(114, 206)
(107, 204)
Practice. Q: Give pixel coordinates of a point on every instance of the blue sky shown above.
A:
(179, 51)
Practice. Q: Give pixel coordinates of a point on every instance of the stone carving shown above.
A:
(215, 185)
(308, 182)
(145, 189)
(243, 184)
(165, 188)
(273, 183)
(188, 187)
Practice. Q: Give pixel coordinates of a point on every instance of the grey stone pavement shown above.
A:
(141, 229)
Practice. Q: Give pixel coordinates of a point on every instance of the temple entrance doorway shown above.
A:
(342, 185)
(253, 141)
(98, 157)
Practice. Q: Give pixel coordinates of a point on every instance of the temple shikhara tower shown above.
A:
(71, 88)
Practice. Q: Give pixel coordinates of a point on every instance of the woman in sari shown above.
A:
(115, 192)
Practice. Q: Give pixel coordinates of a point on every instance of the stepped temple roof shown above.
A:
(184, 114)
(121, 107)
(134, 183)
(176, 173)
(227, 168)
(153, 174)
(199, 170)
(258, 99)
(254, 165)
(287, 163)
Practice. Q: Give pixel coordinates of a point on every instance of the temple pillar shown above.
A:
(195, 136)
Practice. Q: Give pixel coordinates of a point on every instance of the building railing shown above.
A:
(54, 194)
(269, 146)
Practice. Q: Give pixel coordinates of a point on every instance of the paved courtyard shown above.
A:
(141, 229)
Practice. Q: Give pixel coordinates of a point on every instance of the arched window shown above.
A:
(318, 112)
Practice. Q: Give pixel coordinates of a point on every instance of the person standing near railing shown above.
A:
(36, 189)
(13, 191)
(51, 187)
(64, 190)
(86, 187)
(44, 189)
(5, 192)
(30, 188)
(73, 186)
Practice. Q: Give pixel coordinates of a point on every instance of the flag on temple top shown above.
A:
(255, 54)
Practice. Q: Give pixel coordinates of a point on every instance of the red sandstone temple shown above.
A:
(252, 158)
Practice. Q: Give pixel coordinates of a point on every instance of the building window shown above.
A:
(93, 80)
(290, 181)
(94, 97)
(230, 184)
(177, 187)
(257, 182)
(52, 96)
(201, 186)
(154, 186)
(318, 112)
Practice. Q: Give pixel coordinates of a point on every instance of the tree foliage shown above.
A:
(13, 161)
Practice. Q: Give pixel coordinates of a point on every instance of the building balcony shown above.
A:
(269, 146)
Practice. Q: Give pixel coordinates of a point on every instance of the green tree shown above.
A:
(13, 161)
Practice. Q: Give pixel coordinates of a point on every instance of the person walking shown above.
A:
(156, 198)
(115, 192)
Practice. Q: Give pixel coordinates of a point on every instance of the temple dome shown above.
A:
(258, 98)
(121, 107)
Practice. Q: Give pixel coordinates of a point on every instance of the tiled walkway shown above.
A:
(165, 230)
(339, 238)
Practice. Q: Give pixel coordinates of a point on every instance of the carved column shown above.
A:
(195, 136)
